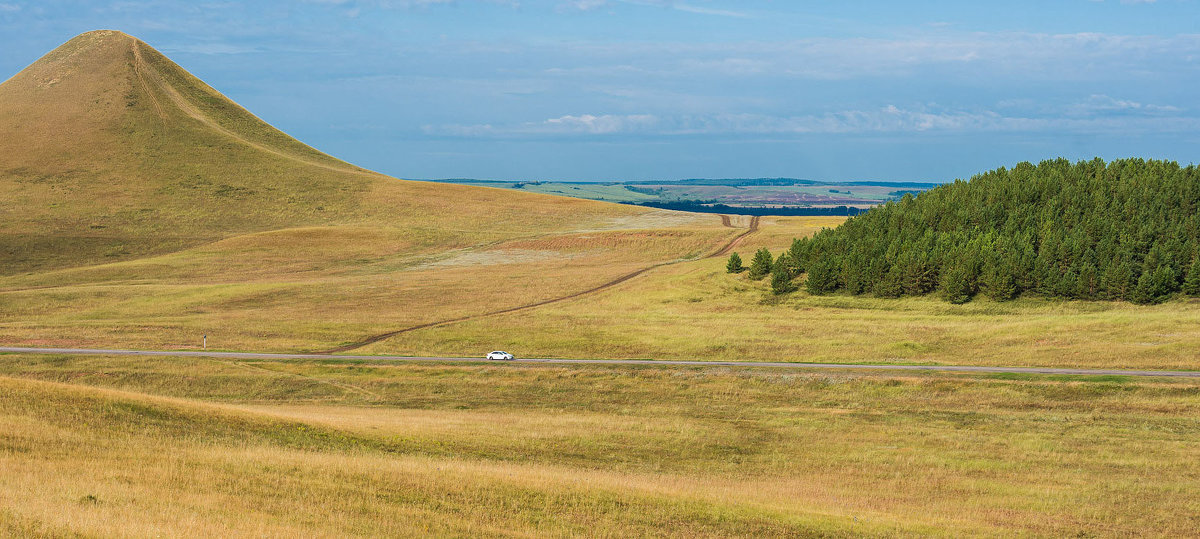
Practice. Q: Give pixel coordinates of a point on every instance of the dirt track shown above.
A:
(725, 249)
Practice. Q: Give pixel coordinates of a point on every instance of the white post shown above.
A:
(206, 341)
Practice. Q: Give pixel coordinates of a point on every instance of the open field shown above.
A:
(168, 213)
(151, 446)
(318, 289)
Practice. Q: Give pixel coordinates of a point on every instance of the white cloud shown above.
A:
(707, 11)
(589, 5)
(1103, 104)
(601, 125)
(10, 8)
(888, 119)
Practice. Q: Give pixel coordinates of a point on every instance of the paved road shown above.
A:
(951, 368)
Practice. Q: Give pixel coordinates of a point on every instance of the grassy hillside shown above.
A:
(109, 151)
(141, 207)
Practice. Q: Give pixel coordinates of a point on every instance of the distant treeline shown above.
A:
(706, 207)
(748, 182)
(1126, 230)
(726, 182)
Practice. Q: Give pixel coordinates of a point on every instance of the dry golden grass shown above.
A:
(697, 311)
(314, 288)
(112, 152)
(167, 212)
(335, 448)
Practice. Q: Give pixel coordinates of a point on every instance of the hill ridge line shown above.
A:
(141, 66)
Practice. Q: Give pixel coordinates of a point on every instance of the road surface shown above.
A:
(662, 363)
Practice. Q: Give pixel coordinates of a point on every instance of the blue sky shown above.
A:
(663, 89)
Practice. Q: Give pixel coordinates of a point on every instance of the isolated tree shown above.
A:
(735, 264)
(760, 266)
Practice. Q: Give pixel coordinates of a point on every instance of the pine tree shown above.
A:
(781, 265)
(1123, 230)
(999, 282)
(1191, 285)
(735, 264)
(760, 266)
(821, 277)
(781, 279)
(888, 286)
(798, 254)
(957, 285)
(1154, 285)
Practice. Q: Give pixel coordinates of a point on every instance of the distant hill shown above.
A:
(110, 151)
(744, 196)
(1126, 230)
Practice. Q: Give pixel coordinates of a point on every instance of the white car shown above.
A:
(501, 355)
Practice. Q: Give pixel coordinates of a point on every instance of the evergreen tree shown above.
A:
(957, 285)
(1121, 230)
(798, 253)
(821, 278)
(1154, 285)
(1089, 282)
(781, 279)
(888, 286)
(998, 282)
(1191, 285)
(784, 265)
(760, 266)
(735, 264)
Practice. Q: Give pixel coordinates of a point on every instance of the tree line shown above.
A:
(1126, 230)
(702, 206)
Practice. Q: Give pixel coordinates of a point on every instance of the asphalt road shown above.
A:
(664, 363)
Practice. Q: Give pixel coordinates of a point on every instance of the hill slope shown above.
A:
(109, 151)
(1127, 230)
(140, 207)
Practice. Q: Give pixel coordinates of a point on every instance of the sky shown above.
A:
(660, 89)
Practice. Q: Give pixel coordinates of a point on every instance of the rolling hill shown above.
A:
(140, 206)
(110, 151)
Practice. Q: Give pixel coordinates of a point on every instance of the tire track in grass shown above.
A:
(723, 250)
(349, 388)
